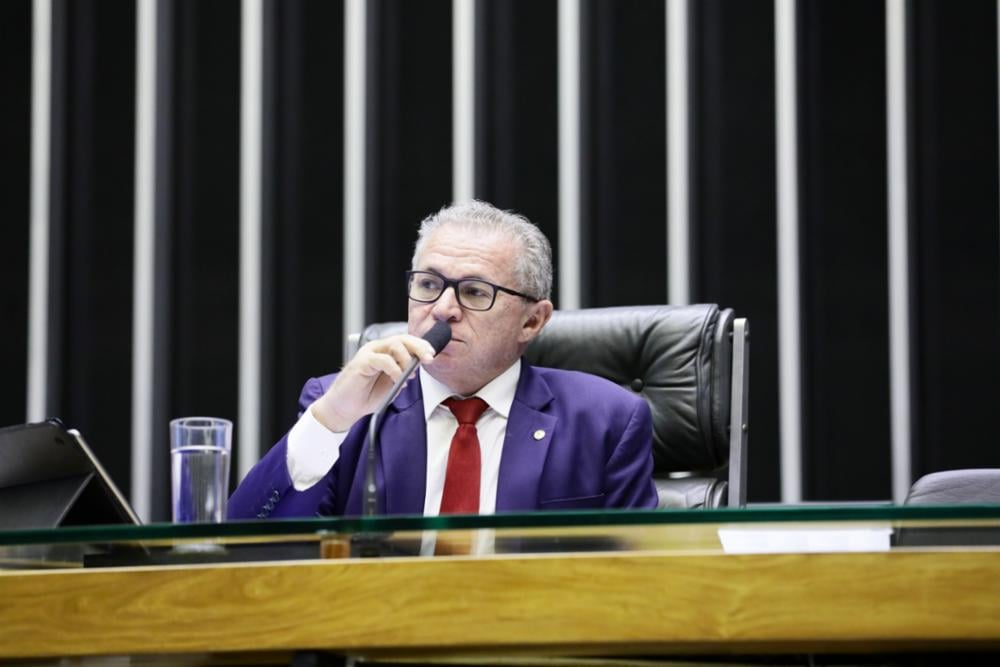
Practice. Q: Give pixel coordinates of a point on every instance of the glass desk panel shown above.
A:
(777, 529)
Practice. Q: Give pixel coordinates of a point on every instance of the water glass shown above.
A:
(199, 459)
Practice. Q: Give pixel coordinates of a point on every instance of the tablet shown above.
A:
(49, 477)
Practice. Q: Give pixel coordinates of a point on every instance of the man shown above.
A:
(529, 438)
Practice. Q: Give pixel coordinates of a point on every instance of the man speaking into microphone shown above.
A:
(476, 429)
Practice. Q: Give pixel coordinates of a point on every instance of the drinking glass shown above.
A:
(199, 458)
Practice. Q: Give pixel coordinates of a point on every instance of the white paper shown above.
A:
(803, 540)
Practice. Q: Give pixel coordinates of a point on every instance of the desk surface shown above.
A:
(645, 588)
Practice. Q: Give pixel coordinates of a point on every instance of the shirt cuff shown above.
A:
(312, 450)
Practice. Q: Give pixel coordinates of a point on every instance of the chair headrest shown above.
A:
(975, 485)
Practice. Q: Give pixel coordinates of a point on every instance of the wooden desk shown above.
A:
(667, 602)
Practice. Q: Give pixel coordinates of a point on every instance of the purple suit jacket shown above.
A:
(595, 452)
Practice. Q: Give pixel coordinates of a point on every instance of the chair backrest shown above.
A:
(973, 485)
(685, 362)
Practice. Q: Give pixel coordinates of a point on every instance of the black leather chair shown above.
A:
(688, 362)
(975, 485)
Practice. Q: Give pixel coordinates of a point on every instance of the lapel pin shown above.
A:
(539, 434)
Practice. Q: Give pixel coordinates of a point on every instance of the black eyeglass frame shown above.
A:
(454, 284)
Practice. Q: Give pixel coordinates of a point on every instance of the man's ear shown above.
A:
(536, 317)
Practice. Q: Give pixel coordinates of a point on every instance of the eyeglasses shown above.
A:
(472, 293)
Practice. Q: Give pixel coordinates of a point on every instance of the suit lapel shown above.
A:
(403, 455)
(523, 455)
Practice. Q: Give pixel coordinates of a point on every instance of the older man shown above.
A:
(477, 429)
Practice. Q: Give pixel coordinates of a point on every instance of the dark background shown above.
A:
(954, 210)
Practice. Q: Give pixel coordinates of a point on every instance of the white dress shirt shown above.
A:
(312, 449)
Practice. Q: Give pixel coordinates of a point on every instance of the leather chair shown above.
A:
(976, 485)
(688, 362)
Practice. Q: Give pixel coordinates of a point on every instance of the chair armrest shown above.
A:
(691, 492)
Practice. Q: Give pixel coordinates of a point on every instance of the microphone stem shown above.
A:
(370, 502)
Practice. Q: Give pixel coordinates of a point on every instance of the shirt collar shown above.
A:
(498, 392)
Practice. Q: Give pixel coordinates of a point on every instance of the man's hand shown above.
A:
(366, 380)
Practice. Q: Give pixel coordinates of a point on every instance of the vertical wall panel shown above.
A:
(678, 28)
(954, 234)
(844, 257)
(42, 83)
(251, 265)
(15, 169)
(91, 212)
(789, 262)
(623, 152)
(144, 259)
(409, 145)
(303, 201)
(517, 152)
(569, 253)
(899, 246)
(356, 98)
(733, 206)
(463, 98)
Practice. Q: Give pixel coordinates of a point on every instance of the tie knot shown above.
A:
(467, 410)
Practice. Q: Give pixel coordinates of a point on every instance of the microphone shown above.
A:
(438, 336)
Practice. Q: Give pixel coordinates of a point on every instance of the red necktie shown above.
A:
(461, 481)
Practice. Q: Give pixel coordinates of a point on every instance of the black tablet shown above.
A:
(49, 477)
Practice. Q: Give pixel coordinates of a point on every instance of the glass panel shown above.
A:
(759, 530)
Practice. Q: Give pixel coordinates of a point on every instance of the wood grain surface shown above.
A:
(551, 604)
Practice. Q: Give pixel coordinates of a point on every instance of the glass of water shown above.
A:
(199, 458)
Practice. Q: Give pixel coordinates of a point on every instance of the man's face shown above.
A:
(483, 343)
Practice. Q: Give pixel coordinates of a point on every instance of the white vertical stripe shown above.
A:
(144, 259)
(354, 165)
(678, 262)
(463, 37)
(38, 277)
(899, 300)
(568, 258)
(789, 348)
(251, 187)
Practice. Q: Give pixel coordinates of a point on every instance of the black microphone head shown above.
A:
(438, 336)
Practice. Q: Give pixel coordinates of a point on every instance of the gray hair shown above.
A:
(532, 266)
